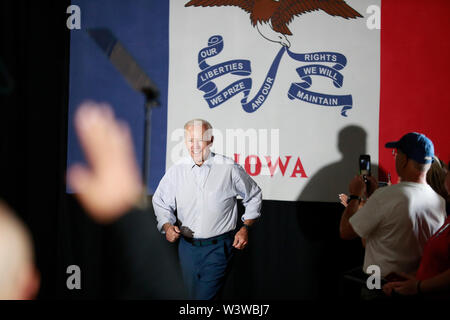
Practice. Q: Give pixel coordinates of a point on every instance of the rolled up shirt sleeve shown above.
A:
(251, 194)
(164, 202)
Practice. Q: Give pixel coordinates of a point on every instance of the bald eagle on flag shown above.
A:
(271, 17)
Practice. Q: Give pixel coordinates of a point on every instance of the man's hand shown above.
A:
(241, 239)
(357, 186)
(373, 185)
(172, 232)
(343, 198)
(407, 287)
(111, 183)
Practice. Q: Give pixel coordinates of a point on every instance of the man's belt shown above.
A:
(208, 241)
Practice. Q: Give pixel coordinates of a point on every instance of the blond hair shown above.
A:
(436, 178)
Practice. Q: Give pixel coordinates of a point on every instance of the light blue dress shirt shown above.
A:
(205, 196)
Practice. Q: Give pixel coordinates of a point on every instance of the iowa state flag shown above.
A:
(291, 87)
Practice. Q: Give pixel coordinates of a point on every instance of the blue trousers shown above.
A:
(205, 268)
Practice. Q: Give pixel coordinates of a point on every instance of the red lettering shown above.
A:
(236, 157)
(257, 167)
(282, 165)
(299, 170)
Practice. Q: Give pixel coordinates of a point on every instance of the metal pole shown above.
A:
(147, 140)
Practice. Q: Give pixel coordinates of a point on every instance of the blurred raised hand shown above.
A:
(110, 184)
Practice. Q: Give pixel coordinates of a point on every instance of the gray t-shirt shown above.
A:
(396, 222)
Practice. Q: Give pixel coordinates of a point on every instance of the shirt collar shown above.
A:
(207, 162)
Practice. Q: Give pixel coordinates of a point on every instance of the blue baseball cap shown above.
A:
(416, 146)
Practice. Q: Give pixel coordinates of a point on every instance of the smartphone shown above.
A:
(364, 165)
(365, 169)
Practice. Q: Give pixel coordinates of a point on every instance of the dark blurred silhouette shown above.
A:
(331, 180)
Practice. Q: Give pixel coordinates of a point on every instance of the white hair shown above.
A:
(207, 134)
(198, 122)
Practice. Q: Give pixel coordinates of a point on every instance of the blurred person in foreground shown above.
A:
(110, 188)
(202, 188)
(19, 278)
(397, 220)
(432, 280)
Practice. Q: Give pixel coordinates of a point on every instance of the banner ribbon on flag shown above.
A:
(242, 67)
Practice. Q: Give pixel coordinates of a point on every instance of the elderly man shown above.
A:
(202, 189)
(397, 220)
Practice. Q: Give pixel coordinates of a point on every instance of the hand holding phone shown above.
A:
(364, 165)
(365, 169)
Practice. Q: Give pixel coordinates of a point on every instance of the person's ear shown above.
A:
(211, 142)
(402, 160)
(405, 161)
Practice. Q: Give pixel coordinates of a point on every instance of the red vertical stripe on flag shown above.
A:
(415, 75)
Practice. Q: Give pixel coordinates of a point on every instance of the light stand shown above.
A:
(122, 60)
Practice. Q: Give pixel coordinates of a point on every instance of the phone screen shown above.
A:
(364, 165)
